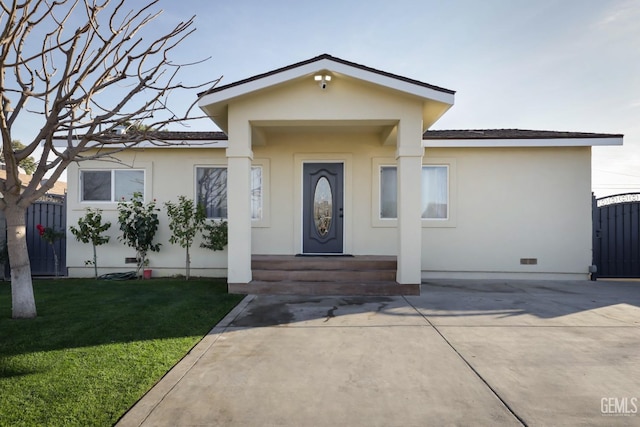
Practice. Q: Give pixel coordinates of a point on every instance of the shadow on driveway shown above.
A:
(489, 299)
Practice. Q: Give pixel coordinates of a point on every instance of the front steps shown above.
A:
(324, 275)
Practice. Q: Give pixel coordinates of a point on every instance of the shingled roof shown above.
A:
(443, 135)
(428, 135)
(165, 135)
(511, 134)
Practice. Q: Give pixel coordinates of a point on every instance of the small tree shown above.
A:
(216, 235)
(90, 229)
(185, 221)
(139, 223)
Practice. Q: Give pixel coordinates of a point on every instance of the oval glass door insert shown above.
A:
(322, 206)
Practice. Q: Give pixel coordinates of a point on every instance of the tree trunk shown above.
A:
(95, 262)
(188, 264)
(22, 299)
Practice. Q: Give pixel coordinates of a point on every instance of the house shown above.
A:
(329, 157)
(59, 188)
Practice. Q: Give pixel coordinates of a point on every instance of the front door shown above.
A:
(322, 208)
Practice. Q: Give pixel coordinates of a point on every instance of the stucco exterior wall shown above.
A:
(169, 173)
(505, 204)
(514, 203)
(345, 99)
(286, 153)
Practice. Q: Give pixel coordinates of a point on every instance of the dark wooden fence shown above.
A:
(616, 236)
(49, 212)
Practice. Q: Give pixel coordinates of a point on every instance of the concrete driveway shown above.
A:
(462, 353)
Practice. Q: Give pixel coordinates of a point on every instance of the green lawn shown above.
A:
(98, 346)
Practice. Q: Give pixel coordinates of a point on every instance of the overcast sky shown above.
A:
(554, 65)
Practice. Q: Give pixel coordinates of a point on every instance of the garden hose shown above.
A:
(128, 275)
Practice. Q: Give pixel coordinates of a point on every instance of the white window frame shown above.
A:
(264, 220)
(376, 184)
(263, 164)
(195, 184)
(113, 187)
(379, 189)
(448, 190)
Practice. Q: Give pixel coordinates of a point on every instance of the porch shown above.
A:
(324, 275)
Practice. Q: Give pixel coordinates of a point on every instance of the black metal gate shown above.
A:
(49, 211)
(616, 236)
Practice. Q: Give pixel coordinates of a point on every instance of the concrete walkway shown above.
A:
(463, 353)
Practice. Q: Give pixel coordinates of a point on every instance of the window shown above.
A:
(211, 191)
(388, 192)
(435, 192)
(110, 185)
(256, 193)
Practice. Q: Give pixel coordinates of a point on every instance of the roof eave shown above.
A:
(215, 102)
(309, 69)
(522, 142)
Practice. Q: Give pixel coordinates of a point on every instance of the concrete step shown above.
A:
(324, 288)
(290, 262)
(324, 275)
(313, 275)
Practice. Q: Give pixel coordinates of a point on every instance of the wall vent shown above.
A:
(529, 261)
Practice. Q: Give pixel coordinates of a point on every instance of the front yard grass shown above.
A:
(97, 346)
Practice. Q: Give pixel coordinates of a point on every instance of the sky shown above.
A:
(571, 65)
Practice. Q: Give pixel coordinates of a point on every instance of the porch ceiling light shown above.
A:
(322, 80)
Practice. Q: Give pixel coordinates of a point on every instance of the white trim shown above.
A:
(112, 171)
(517, 142)
(452, 193)
(500, 275)
(265, 221)
(448, 169)
(347, 160)
(208, 143)
(323, 65)
(195, 185)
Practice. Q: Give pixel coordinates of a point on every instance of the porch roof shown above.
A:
(435, 100)
(330, 58)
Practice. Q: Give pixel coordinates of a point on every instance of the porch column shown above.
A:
(239, 156)
(409, 161)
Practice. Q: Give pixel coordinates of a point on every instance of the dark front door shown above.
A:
(322, 208)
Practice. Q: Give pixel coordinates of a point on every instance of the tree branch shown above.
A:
(84, 82)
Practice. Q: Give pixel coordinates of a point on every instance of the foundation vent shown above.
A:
(528, 261)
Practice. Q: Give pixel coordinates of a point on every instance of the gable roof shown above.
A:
(435, 100)
(331, 58)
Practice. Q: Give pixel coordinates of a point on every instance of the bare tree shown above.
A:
(81, 69)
